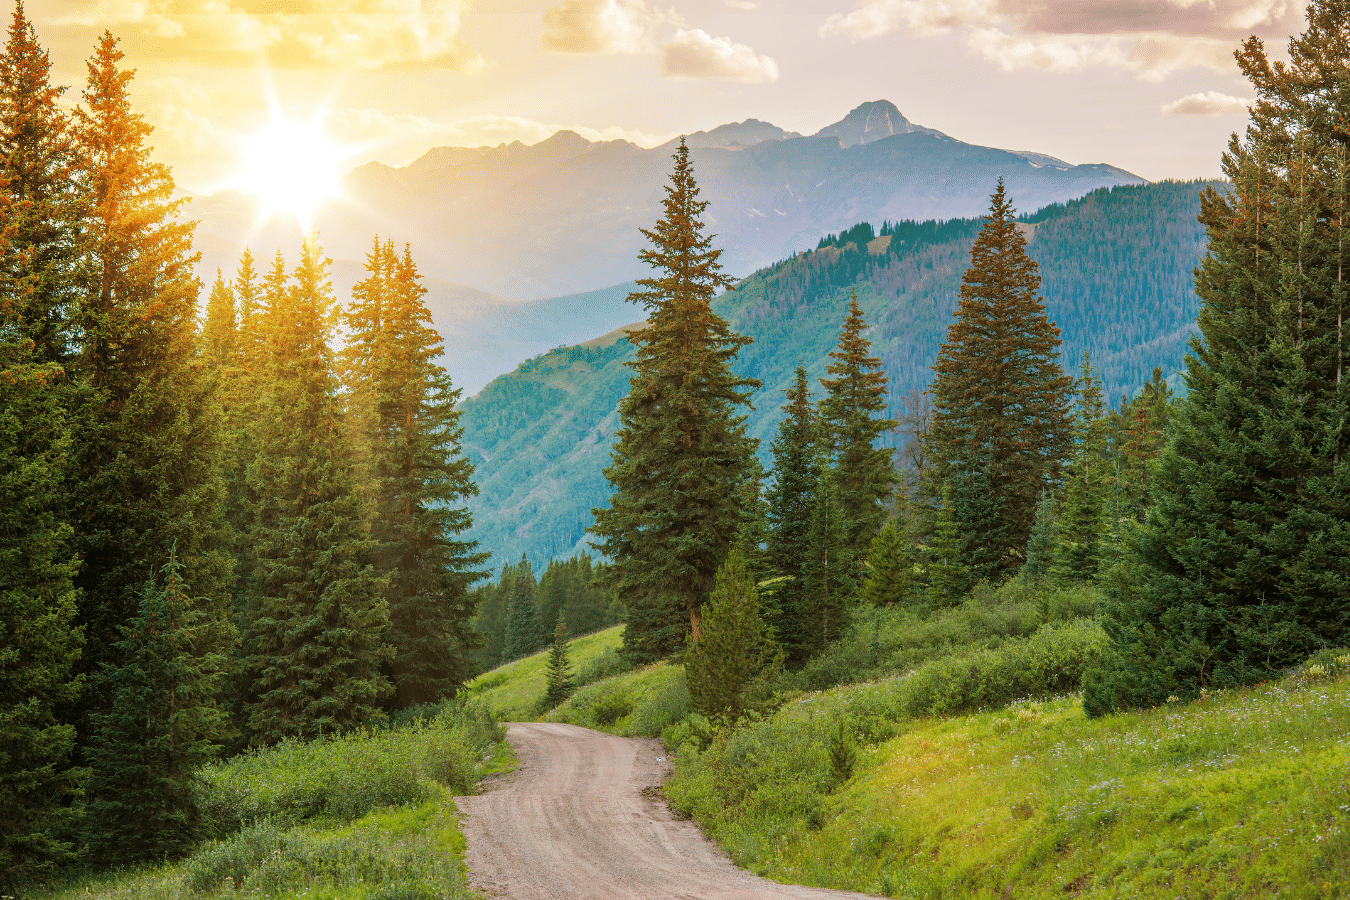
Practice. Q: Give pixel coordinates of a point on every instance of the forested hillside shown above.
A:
(1117, 270)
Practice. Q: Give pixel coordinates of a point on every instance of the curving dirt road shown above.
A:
(572, 823)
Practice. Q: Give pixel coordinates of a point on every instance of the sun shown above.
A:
(291, 167)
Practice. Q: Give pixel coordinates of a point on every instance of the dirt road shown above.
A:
(571, 823)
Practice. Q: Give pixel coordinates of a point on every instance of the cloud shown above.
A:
(1209, 103)
(694, 53)
(598, 26)
(338, 34)
(1151, 37)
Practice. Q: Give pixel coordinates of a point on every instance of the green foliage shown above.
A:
(1043, 541)
(524, 633)
(1078, 555)
(890, 567)
(642, 703)
(558, 675)
(843, 752)
(402, 409)
(734, 656)
(342, 779)
(1239, 570)
(945, 571)
(164, 723)
(829, 572)
(682, 459)
(512, 692)
(999, 396)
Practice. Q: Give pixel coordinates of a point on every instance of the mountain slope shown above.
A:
(1117, 279)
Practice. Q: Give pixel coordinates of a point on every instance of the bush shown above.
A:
(644, 702)
(344, 778)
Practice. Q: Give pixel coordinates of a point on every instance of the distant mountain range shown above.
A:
(1116, 267)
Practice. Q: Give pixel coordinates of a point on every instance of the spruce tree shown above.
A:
(1240, 569)
(218, 331)
(39, 641)
(1078, 555)
(889, 567)
(316, 625)
(1000, 399)
(945, 572)
(164, 722)
(681, 457)
(558, 673)
(147, 446)
(524, 632)
(407, 423)
(852, 419)
(728, 666)
(1043, 542)
(791, 499)
(830, 574)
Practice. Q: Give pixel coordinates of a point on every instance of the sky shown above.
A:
(1150, 86)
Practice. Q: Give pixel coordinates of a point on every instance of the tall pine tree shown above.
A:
(317, 621)
(405, 414)
(681, 457)
(1240, 569)
(1000, 399)
(1080, 520)
(524, 632)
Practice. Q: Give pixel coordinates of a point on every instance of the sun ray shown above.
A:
(291, 167)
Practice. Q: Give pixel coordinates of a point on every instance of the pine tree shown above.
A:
(791, 499)
(43, 266)
(889, 567)
(218, 332)
(250, 342)
(1240, 568)
(999, 395)
(147, 446)
(558, 673)
(524, 632)
(977, 511)
(728, 666)
(1078, 555)
(315, 641)
(39, 642)
(1043, 541)
(681, 457)
(946, 572)
(404, 410)
(852, 416)
(830, 574)
(165, 722)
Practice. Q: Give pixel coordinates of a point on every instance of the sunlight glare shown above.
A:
(291, 167)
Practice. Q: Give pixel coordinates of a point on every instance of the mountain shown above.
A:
(563, 216)
(1116, 267)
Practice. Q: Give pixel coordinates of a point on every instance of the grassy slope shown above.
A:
(1243, 794)
(513, 691)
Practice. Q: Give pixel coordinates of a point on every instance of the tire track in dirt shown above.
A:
(572, 823)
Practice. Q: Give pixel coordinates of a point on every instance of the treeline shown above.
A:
(213, 535)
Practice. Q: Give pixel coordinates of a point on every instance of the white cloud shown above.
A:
(1209, 103)
(598, 26)
(1150, 37)
(694, 53)
(341, 34)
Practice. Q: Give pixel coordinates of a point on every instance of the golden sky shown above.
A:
(1147, 85)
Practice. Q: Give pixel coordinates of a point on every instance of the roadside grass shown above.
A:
(1242, 794)
(514, 691)
(641, 703)
(367, 815)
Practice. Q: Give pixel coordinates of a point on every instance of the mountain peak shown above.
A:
(871, 122)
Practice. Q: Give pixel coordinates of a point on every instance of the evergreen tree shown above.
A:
(977, 512)
(147, 447)
(999, 394)
(43, 267)
(852, 418)
(316, 640)
(250, 342)
(524, 632)
(681, 456)
(163, 724)
(1078, 555)
(405, 412)
(946, 572)
(830, 574)
(558, 673)
(1044, 539)
(1240, 570)
(791, 499)
(39, 642)
(218, 332)
(728, 666)
(889, 567)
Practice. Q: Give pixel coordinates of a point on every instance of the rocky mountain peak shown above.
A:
(871, 122)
